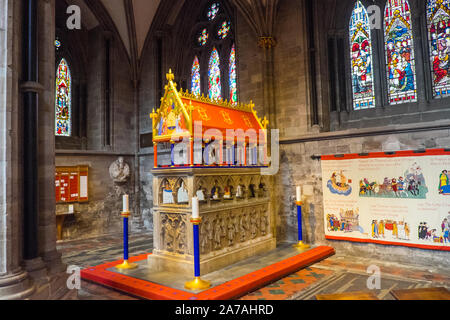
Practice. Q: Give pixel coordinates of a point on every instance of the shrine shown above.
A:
(222, 170)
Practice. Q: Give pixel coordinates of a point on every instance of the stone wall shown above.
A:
(101, 215)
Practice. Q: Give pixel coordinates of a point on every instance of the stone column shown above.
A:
(46, 138)
(268, 44)
(14, 281)
(30, 92)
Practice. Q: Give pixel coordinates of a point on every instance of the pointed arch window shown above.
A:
(399, 48)
(211, 67)
(438, 24)
(233, 76)
(215, 87)
(361, 59)
(63, 100)
(195, 82)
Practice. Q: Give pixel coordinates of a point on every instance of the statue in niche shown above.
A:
(239, 191)
(119, 171)
(167, 194)
(182, 194)
(261, 190)
(251, 188)
(231, 231)
(215, 192)
(200, 194)
(228, 192)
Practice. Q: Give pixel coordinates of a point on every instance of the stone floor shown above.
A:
(336, 274)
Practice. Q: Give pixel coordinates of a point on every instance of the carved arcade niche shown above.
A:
(235, 212)
(173, 190)
(173, 233)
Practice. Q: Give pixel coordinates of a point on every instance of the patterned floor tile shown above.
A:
(289, 285)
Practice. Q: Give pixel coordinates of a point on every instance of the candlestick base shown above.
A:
(301, 245)
(197, 284)
(126, 265)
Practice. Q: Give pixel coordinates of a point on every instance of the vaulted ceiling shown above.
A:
(133, 20)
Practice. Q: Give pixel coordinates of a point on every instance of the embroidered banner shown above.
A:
(400, 198)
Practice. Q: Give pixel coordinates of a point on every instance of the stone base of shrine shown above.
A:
(231, 282)
(162, 261)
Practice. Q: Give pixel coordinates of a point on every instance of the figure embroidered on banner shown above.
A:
(410, 185)
(435, 234)
(444, 183)
(390, 229)
(339, 184)
(348, 221)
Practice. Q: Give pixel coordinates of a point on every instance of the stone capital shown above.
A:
(267, 42)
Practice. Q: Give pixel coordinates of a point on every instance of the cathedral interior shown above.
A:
(351, 103)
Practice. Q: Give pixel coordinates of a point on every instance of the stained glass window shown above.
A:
(438, 22)
(195, 83)
(233, 84)
(224, 30)
(63, 100)
(361, 59)
(203, 37)
(399, 46)
(215, 92)
(213, 11)
(57, 44)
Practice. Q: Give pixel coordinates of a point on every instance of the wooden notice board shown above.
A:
(71, 184)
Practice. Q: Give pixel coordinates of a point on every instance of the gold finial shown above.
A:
(265, 123)
(153, 115)
(252, 106)
(170, 76)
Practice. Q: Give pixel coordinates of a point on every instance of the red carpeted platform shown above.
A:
(229, 290)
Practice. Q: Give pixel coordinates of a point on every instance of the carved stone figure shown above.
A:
(119, 171)
(231, 231)
(204, 236)
(253, 225)
(264, 224)
(218, 235)
(181, 236)
(243, 227)
(210, 230)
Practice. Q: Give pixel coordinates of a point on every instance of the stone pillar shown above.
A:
(268, 44)
(46, 138)
(14, 281)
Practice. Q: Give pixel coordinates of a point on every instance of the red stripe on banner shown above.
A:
(411, 245)
(397, 154)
